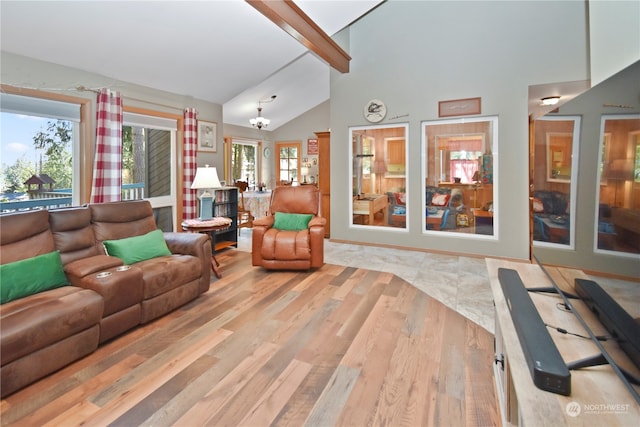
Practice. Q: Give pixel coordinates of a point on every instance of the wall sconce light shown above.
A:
(550, 100)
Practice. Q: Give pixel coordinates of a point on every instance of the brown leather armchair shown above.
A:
(276, 249)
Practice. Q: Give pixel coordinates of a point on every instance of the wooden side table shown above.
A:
(214, 225)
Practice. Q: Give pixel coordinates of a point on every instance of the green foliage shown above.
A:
(243, 161)
(55, 142)
(15, 175)
(127, 149)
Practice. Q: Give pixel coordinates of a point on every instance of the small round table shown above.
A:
(207, 226)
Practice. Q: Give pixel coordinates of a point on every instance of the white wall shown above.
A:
(23, 72)
(412, 55)
(614, 27)
(623, 88)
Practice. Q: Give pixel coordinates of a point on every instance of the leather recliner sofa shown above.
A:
(43, 332)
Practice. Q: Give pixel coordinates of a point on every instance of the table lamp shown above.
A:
(305, 171)
(206, 178)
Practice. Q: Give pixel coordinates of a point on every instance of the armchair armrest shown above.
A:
(85, 266)
(188, 244)
(265, 221)
(317, 221)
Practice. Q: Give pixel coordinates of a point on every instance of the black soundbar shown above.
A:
(548, 370)
(613, 317)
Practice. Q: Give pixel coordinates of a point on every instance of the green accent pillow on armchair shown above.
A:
(291, 221)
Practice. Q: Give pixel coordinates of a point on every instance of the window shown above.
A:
(460, 157)
(245, 162)
(459, 175)
(554, 181)
(378, 179)
(148, 156)
(619, 190)
(40, 151)
(288, 161)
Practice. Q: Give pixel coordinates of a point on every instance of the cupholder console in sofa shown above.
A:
(102, 295)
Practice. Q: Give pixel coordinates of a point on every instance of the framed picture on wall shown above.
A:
(459, 107)
(207, 132)
(312, 146)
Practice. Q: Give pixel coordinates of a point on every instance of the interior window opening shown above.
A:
(556, 140)
(617, 229)
(378, 180)
(459, 176)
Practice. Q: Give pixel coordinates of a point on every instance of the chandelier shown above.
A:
(261, 122)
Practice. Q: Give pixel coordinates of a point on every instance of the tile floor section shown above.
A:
(459, 282)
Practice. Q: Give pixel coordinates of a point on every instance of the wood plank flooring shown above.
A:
(336, 346)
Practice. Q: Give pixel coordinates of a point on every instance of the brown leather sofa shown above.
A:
(277, 249)
(41, 333)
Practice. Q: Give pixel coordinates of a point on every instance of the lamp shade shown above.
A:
(620, 169)
(379, 166)
(206, 177)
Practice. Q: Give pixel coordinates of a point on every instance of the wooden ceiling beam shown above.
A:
(288, 16)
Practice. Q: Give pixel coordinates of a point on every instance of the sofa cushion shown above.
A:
(401, 198)
(138, 248)
(440, 199)
(31, 276)
(291, 221)
(73, 233)
(285, 245)
(37, 321)
(538, 206)
(162, 274)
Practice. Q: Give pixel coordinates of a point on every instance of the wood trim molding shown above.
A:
(86, 136)
(289, 17)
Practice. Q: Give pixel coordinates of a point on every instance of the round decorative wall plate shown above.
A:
(267, 152)
(375, 111)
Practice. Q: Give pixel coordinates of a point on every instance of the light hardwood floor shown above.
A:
(335, 346)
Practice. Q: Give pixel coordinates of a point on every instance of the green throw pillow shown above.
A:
(138, 248)
(31, 276)
(291, 221)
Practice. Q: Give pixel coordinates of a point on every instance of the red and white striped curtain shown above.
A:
(190, 149)
(107, 166)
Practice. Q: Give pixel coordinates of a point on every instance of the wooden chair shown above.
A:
(245, 219)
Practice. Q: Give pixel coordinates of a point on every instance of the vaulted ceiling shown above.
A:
(224, 51)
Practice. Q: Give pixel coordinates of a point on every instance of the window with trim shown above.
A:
(556, 143)
(244, 161)
(148, 156)
(288, 165)
(379, 176)
(40, 152)
(459, 175)
(618, 207)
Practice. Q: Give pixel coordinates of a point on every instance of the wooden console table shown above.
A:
(598, 396)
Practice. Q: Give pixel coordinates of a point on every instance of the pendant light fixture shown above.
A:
(259, 121)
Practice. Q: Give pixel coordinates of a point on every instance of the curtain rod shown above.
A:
(86, 89)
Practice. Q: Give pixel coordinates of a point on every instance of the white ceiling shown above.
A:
(221, 51)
